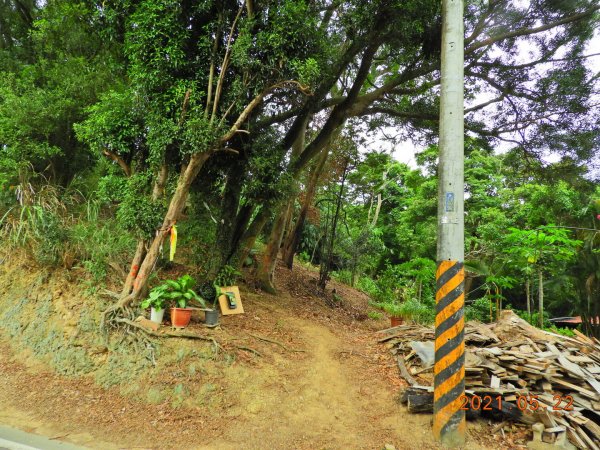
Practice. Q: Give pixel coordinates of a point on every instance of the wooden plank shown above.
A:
(580, 359)
(570, 367)
(586, 392)
(495, 382)
(593, 428)
(493, 350)
(553, 349)
(533, 344)
(580, 401)
(546, 418)
(404, 373)
(583, 337)
(591, 380)
(575, 439)
(551, 435)
(414, 390)
(582, 434)
(537, 365)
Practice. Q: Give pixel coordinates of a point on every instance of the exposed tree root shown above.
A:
(169, 334)
(120, 310)
(118, 317)
(248, 349)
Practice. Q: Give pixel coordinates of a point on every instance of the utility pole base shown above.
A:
(449, 425)
(454, 438)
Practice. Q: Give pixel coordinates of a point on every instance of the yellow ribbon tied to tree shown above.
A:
(173, 242)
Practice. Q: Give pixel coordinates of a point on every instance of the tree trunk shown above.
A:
(248, 237)
(354, 269)
(266, 267)
(241, 224)
(370, 208)
(377, 209)
(293, 238)
(527, 298)
(326, 265)
(500, 300)
(176, 206)
(541, 297)
(379, 200)
(230, 212)
(312, 256)
(140, 252)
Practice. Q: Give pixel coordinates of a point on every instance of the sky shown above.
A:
(405, 151)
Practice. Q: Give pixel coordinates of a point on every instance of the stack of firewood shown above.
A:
(512, 371)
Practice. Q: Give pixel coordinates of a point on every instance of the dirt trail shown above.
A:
(320, 405)
(327, 400)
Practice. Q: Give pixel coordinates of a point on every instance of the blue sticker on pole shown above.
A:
(449, 202)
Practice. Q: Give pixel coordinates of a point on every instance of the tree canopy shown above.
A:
(244, 123)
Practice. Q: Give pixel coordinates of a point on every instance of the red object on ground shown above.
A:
(180, 317)
(396, 321)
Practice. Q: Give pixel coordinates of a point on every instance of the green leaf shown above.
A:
(174, 284)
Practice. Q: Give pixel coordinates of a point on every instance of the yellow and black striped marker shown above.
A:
(449, 371)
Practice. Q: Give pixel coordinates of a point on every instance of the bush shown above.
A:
(343, 276)
(375, 315)
(303, 257)
(36, 228)
(58, 226)
(95, 246)
(368, 286)
(410, 309)
(417, 311)
(480, 309)
(535, 319)
(562, 331)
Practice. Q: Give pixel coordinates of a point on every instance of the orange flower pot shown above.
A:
(396, 321)
(180, 317)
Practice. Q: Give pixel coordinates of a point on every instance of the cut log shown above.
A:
(420, 402)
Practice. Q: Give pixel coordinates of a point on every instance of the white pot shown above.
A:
(156, 315)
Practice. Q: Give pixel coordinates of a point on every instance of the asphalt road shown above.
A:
(13, 439)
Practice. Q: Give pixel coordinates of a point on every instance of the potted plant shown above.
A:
(416, 311)
(395, 312)
(410, 309)
(180, 293)
(156, 302)
(211, 314)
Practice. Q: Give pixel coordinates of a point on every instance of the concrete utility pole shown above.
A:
(449, 371)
